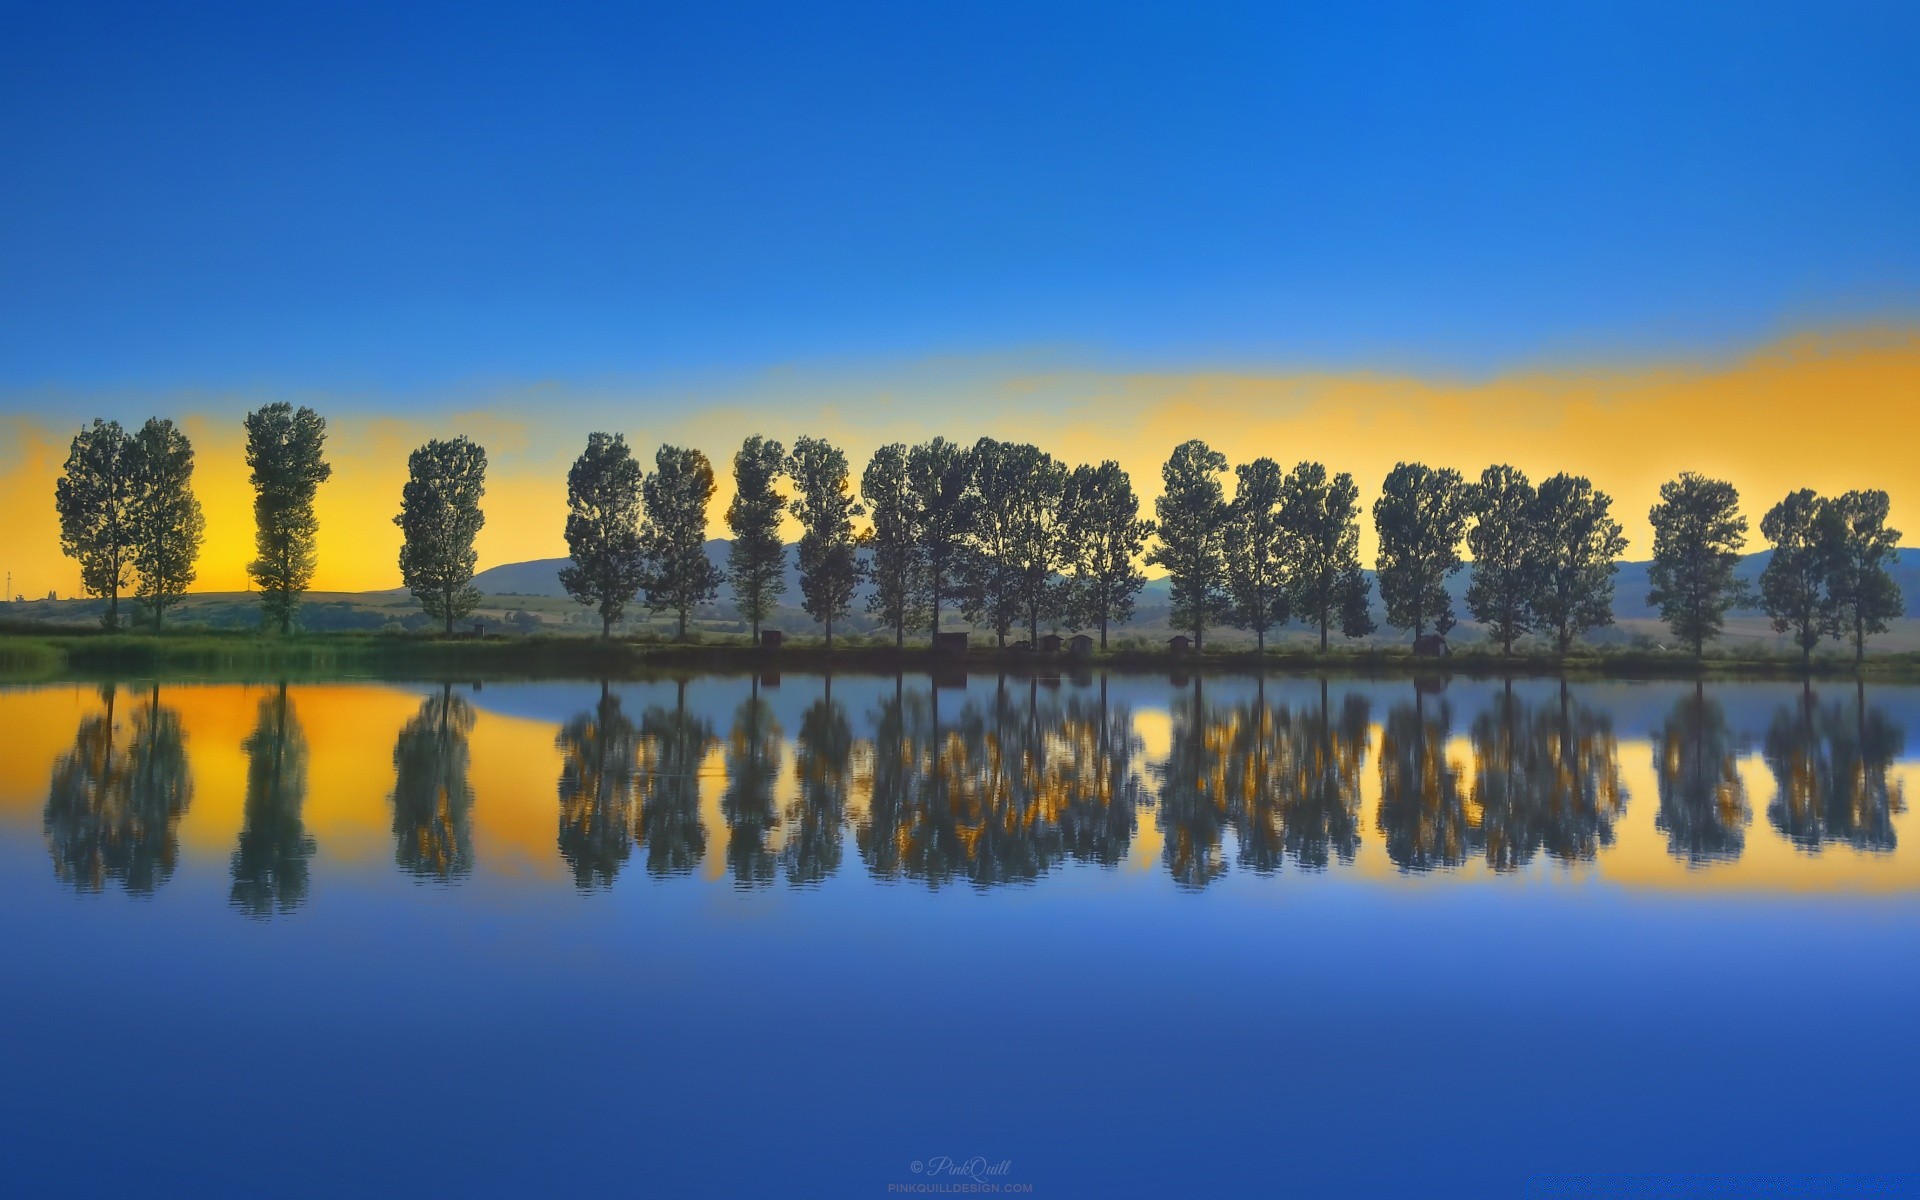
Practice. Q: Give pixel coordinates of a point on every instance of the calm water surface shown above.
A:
(791, 937)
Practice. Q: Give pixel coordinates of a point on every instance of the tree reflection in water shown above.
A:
(1193, 805)
(673, 743)
(598, 749)
(823, 769)
(1293, 781)
(1831, 765)
(270, 862)
(432, 796)
(1545, 777)
(113, 812)
(1703, 801)
(753, 764)
(1426, 822)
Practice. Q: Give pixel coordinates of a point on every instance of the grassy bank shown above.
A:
(51, 652)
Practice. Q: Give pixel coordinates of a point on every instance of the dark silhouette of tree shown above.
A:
(896, 564)
(603, 529)
(1831, 766)
(829, 550)
(284, 447)
(597, 779)
(113, 812)
(753, 765)
(940, 479)
(164, 516)
(1793, 584)
(1863, 592)
(679, 577)
(1192, 803)
(823, 768)
(1423, 816)
(1014, 540)
(1697, 535)
(757, 558)
(439, 518)
(1103, 538)
(1191, 514)
(1575, 544)
(1703, 800)
(673, 743)
(1506, 557)
(1544, 778)
(270, 862)
(1420, 517)
(95, 498)
(432, 798)
(1255, 550)
(1326, 583)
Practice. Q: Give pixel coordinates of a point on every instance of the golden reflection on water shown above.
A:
(276, 785)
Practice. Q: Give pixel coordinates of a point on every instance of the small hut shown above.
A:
(949, 641)
(770, 639)
(1180, 643)
(1081, 644)
(1050, 643)
(1431, 646)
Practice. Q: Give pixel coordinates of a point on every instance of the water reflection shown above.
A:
(1545, 778)
(270, 863)
(673, 742)
(823, 770)
(598, 749)
(1193, 809)
(1830, 763)
(1426, 821)
(432, 798)
(113, 811)
(1703, 800)
(753, 764)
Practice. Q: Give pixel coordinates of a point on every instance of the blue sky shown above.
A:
(330, 197)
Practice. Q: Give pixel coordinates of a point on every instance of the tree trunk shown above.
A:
(1103, 636)
(449, 622)
(899, 635)
(1323, 633)
(1259, 641)
(829, 638)
(682, 635)
(606, 627)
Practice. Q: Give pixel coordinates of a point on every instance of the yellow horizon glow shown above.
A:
(1814, 410)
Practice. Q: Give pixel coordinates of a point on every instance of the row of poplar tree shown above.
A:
(1011, 537)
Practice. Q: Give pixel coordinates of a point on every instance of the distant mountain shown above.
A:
(540, 577)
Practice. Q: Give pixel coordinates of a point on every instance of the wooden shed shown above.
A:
(1180, 643)
(1049, 643)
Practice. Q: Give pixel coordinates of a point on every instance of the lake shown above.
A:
(1097, 936)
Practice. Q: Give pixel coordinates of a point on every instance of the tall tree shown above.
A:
(1506, 559)
(940, 476)
(896, 563)
(679, 577)
(1576, 544)
(1256, 550)
(829, 550)
(284, 447)
(757, 559)
(1192, 518)
(1793, 584)
(1322, 520)
(1865, 596)
(167, 523)
(1014, 537)
(439, 518)
(1420, 518)
(95, 498)
(1697, 535)
(1102, 540)
(603, 529)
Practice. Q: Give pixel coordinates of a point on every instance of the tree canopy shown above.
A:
(284, 453)
(679, 577)
(757, 558)
(439, 518)
(1697, 535)
(1420, 518)
(603, 528)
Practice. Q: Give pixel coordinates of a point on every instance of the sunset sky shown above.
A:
(1617, 239)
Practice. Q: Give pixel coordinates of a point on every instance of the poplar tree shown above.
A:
(1793, 584)
(1864, 594)
(1506, 561)
(1192, 518)
(1697, 535)
(95, 499)
(757, 559)
(679, 577)
(1322, 519)
(829, 550)
(1255, 548)
(1103, 537)
(284, 447)
(1013, 537)
(895, 565)
(1420, 517)
(603, 529)
(940, 476)
(439, 518)
(168, 525)
(1576, 544)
